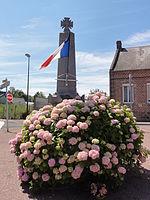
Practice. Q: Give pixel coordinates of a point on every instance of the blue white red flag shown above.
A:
(60, 52)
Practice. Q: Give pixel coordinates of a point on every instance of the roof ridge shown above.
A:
(137, 47)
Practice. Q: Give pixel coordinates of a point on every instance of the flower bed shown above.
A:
(96, 141)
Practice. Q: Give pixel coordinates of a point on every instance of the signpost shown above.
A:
(2, 86)
(2, 94)
(9, 97)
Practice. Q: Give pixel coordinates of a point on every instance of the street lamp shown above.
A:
(28, 56)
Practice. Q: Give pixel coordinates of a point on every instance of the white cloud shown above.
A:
(32, 23)
(138, 38)
(93, 71)
(95, 81)
(89, 62)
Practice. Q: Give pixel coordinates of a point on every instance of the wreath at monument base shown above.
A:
(96, 141)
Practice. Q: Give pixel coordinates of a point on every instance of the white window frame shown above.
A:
(148, 100)
(127, 85)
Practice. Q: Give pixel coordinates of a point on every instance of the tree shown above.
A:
(97, 90)
(39, 94)
(19, 94)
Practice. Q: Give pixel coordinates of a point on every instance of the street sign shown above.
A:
(9, 97)
(4, 85)
(2, 94)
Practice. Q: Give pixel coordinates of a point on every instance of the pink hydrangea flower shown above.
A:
(72, 117)
(47, 136)
(33, 118)
(126, 120)
(40, 134)
(47, 121)
(95, 147)
(114, 160)
(102, 107)
(112, 110)
(96, 113)
(103, 191)
(30, 157)
(73, 141)
(94, 168)
(103, 100)
(54, 116)
(83, 125)
(121, 170)
(95, 98)
(25, 177)
(81, 146)
(22, 146)
(35, 175)
(47, 107)
(27, 122)
(86, 150)
(114, 121)
(132, 130)
(19, 172)
(82, 155)
(36, 151)
(109, 166)
(62, 161)
(31, 127)
(51, 162)
(61, 123)
(75, 129)
(70, 122)
(76, 173)
(134, 136)
(28, 145)
(130, 146)
(12, 149)
(42, 142)
(93, 154)
(45, 177)
(105, 160)
(142, 159)
(112, 147)
(36, 122)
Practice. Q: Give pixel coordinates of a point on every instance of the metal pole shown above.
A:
(130, 90)
(7, 114)
(27, 109)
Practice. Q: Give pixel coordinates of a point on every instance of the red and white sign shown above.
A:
(9, 97)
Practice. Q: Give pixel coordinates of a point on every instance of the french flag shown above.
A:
(60, 52)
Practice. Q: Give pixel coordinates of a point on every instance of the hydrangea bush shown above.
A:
(96, 141)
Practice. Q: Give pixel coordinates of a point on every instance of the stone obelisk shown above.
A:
(66, 75)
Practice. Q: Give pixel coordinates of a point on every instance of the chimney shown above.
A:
(119, 45)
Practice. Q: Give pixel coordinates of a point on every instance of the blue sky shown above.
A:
(33, 26)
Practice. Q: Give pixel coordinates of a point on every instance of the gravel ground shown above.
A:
(135, 187)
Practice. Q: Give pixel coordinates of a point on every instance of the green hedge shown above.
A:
(16, 111)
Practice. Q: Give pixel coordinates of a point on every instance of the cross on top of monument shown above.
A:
(67, 24)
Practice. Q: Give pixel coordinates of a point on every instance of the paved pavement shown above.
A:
(135, 187)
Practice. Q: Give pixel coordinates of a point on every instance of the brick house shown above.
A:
(130, 79)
